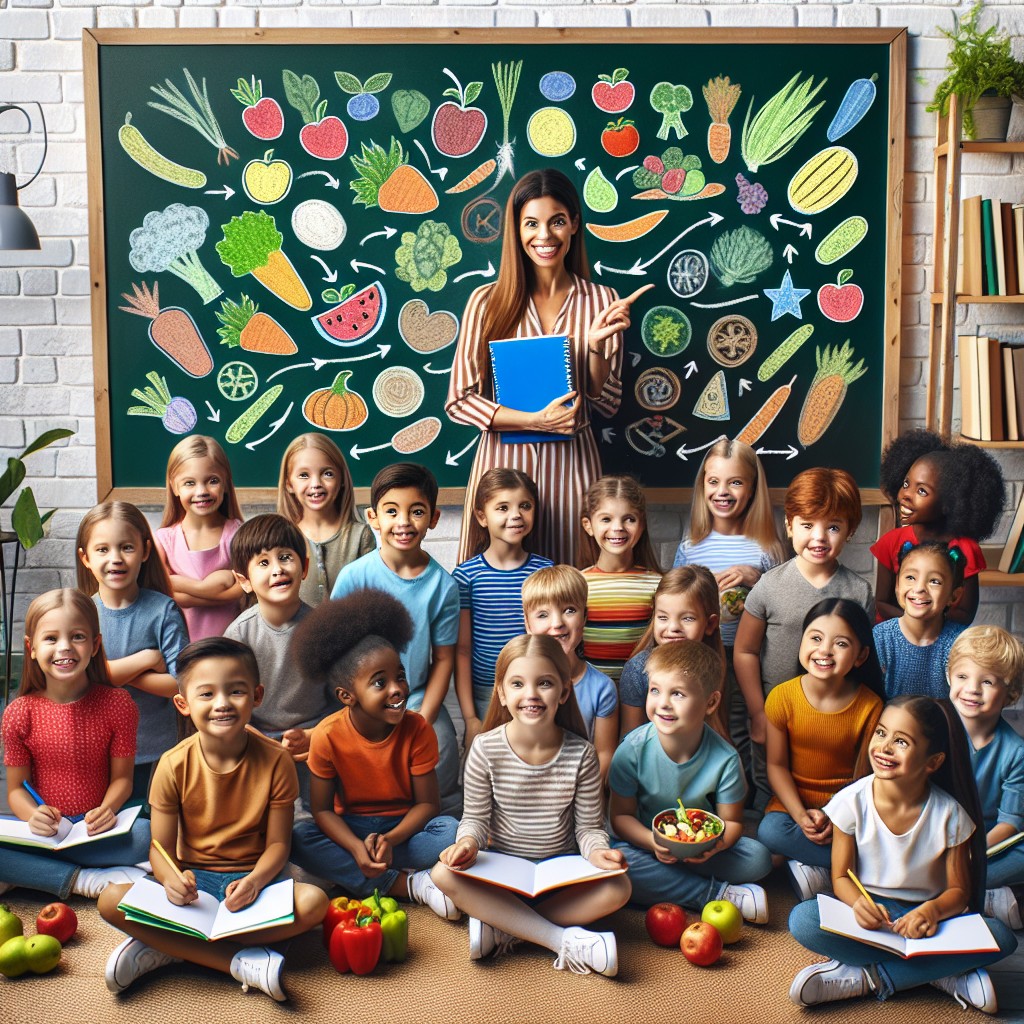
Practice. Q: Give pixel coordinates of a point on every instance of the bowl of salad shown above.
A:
(686, 831)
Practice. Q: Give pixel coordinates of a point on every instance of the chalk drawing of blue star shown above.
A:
(786, 298)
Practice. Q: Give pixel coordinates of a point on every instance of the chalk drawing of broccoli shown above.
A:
(169, 239)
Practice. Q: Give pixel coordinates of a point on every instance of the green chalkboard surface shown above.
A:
(286, 228)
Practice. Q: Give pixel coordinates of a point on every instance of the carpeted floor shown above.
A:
(438, 983)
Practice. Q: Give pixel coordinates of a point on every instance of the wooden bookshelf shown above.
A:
(993, 577)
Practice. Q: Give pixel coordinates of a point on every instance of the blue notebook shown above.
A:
(529, 373)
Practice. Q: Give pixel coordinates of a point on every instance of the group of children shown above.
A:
(592, 700)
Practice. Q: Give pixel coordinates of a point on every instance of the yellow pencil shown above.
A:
(866, 894)
(167, 857)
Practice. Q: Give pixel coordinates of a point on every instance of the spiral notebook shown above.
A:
(529, 373)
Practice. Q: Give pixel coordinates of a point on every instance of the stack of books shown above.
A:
(992, 253)
(991, 389)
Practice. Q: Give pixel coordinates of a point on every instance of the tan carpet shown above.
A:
(439, 983)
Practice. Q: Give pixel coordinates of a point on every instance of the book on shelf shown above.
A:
(1010, 252)
(970, 250)
(966, 933)
(530, 373)
(208, 918)
(984, 395)
(531, 878)
(1018, 242)
(1010, 393)
(69, 833)
(1014, 540)
(970, 397)
(997, 247)
(991, 283)
(995, 387)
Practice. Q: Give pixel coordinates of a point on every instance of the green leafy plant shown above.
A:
(979, 62)
(26, 520)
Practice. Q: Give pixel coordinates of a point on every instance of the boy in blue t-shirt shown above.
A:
(678, 756)
(986, 674)
(403, 507)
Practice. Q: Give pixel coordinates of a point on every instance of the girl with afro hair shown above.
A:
(373, 787)
(942, 491)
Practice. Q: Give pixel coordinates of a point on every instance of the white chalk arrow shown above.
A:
(777, 219)
(214, 416)
(274, 428)
(332, 181)
(329, 275)
(719, 305)
(640, 267)
(387, 233)
(626, 170)
(607, 435)
(440, 171)
(356, 451)
(790, 452)
(634, 357)
(355, 265)
(789, 252)
(683, 451)
(382, 351)
(744, 386)
(427, 369)
(227, 192)
(691, 369)
(581, 164)
(489, 272)
(453, 460)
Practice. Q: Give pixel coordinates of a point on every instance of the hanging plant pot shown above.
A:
(991, 118)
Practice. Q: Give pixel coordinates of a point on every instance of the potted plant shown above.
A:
(983, 73)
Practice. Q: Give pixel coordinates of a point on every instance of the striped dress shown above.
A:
(619, 607)
(563, 470)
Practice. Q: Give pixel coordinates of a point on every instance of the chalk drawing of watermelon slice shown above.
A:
(355, 319)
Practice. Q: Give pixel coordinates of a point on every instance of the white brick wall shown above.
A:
(45, 370)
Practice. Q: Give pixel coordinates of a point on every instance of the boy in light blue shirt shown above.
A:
(403, 508)
(678, 756)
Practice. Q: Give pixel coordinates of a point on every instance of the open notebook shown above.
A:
(70, 831)
(532, 878)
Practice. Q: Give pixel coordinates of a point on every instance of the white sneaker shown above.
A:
(971, 989)
(131, 960)
(1002, 905)
(828, 982)
(750, 900)
(423, 891)
(585, 951)
(259, 967)
(808, 880)
(90, 882)
(485, 940)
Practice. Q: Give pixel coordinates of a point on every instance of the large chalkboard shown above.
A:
(283, 237)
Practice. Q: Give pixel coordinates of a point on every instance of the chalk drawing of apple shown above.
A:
(612, 93)
(841, 301)
(267, 181)
(321, 136)
(458, 127)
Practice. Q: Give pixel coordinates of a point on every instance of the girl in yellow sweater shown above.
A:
(817, 726)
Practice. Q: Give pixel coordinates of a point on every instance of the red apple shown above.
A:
(726, 917)
(458, 127)
(58, 920)
(666, 923)
(612, 93)
(326, 139)
(701, 943)
(841, 301)
(264, 119)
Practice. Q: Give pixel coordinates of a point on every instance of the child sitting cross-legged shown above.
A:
(986, 674)
(373, 784)
(677, 755)
(222, 808)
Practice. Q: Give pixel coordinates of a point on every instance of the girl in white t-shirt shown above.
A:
(912, 833)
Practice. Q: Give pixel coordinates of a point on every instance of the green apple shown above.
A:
(43, 953)
(725, 917)
(14, 957)
(10, 924)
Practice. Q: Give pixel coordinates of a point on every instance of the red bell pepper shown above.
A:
(340, 909)
(358, 945)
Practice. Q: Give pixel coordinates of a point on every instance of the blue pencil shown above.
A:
(40, 801)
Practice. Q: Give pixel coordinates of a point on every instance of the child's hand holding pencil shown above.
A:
(867, 912)
(179, 885)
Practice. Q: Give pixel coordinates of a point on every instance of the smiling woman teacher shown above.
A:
(543, 287)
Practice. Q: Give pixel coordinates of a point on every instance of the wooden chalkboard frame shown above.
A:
(94, 41)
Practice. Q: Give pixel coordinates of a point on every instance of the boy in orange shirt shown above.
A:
(373, 783)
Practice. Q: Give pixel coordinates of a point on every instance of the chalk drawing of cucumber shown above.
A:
(238, 430)
(134, 143)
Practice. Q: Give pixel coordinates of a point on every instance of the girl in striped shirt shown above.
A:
(491, 584)
(533, 790)
(622, 572)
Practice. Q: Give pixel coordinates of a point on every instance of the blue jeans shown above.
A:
(319, 854)
(448, 750)
(216, 882)
(894, 973)
(482, 699)
(1007, 868)
(781, 834)
(54, 871)
(693, 885)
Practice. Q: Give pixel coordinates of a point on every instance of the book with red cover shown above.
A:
(995, 386)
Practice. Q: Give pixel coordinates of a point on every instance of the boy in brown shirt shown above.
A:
(222, 803)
